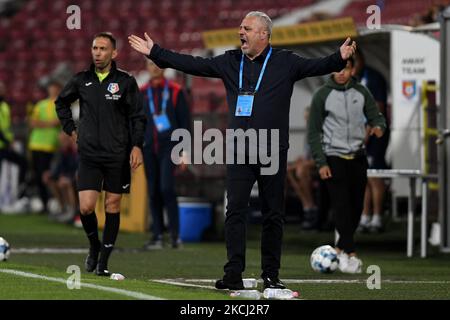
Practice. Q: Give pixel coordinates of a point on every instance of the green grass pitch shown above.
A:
(402, 277)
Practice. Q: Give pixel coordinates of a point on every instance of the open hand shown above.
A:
(325, 172)
(74, 137)
(141, 45)
(376, 131)
(348, 50)
(136, 158)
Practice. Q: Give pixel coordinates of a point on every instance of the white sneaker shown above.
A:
(435, 235)
(376, 224)
(364, 224)
(354, 265)
(365, 220)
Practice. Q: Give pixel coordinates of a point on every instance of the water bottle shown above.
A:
(250, 283)
(117, 276)
(280, 294)
(246, 294)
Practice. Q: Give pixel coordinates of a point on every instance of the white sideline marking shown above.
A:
(133, 294)
(311, 281)
(48, 250)
(182, 284)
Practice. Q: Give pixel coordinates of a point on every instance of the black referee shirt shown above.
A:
(112, 118)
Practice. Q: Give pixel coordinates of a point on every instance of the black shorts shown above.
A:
(114, 177)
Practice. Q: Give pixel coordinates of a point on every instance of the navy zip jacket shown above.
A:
(112, 118)
(272, 101)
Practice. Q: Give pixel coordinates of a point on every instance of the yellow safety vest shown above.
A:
(5, 123)
(44, 139)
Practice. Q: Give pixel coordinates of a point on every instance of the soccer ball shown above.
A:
(4, 249)
(324, 259)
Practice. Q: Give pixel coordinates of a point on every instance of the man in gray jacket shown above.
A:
(342, 113)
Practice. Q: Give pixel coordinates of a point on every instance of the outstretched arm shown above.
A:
(197, 66)
(304, 67)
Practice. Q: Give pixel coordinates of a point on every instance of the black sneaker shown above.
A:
(102, 271)
(231, 285)
(154, 245)
(310, 220)
(273, 283)
(177, 244)
(92, 259)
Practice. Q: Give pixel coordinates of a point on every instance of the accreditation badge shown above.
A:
(162, 122)
(244, 105)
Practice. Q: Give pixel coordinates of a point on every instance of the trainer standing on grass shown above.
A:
(110, 136)
(259, 81)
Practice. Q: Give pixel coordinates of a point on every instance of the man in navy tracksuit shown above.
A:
(167, 110)
(259, 81)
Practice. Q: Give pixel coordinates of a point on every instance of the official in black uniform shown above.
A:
(110, 137)
(259, 81)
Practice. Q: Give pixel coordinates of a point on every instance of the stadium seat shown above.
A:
(37, 32)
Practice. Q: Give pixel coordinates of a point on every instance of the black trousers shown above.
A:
(41, 163)
(159, 170)
(239, 182)
(346, 189)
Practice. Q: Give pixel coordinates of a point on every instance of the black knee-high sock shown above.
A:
(90, 226)
(110, 232)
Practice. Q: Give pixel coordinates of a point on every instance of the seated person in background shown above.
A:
(300, 177)
(61, 179)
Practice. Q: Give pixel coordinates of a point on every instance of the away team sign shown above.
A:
(414, 59)
(289, 35)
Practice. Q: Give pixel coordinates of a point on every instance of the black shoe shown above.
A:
(102, 271)
(363, 228)
(376, 229)
(309, 225)
(177, 243)
(154, 245)
(92, 259)
(310, 220)
(235, 285)
(273, 283)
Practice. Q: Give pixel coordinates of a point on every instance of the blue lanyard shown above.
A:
(260, 74)
(165, 98)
